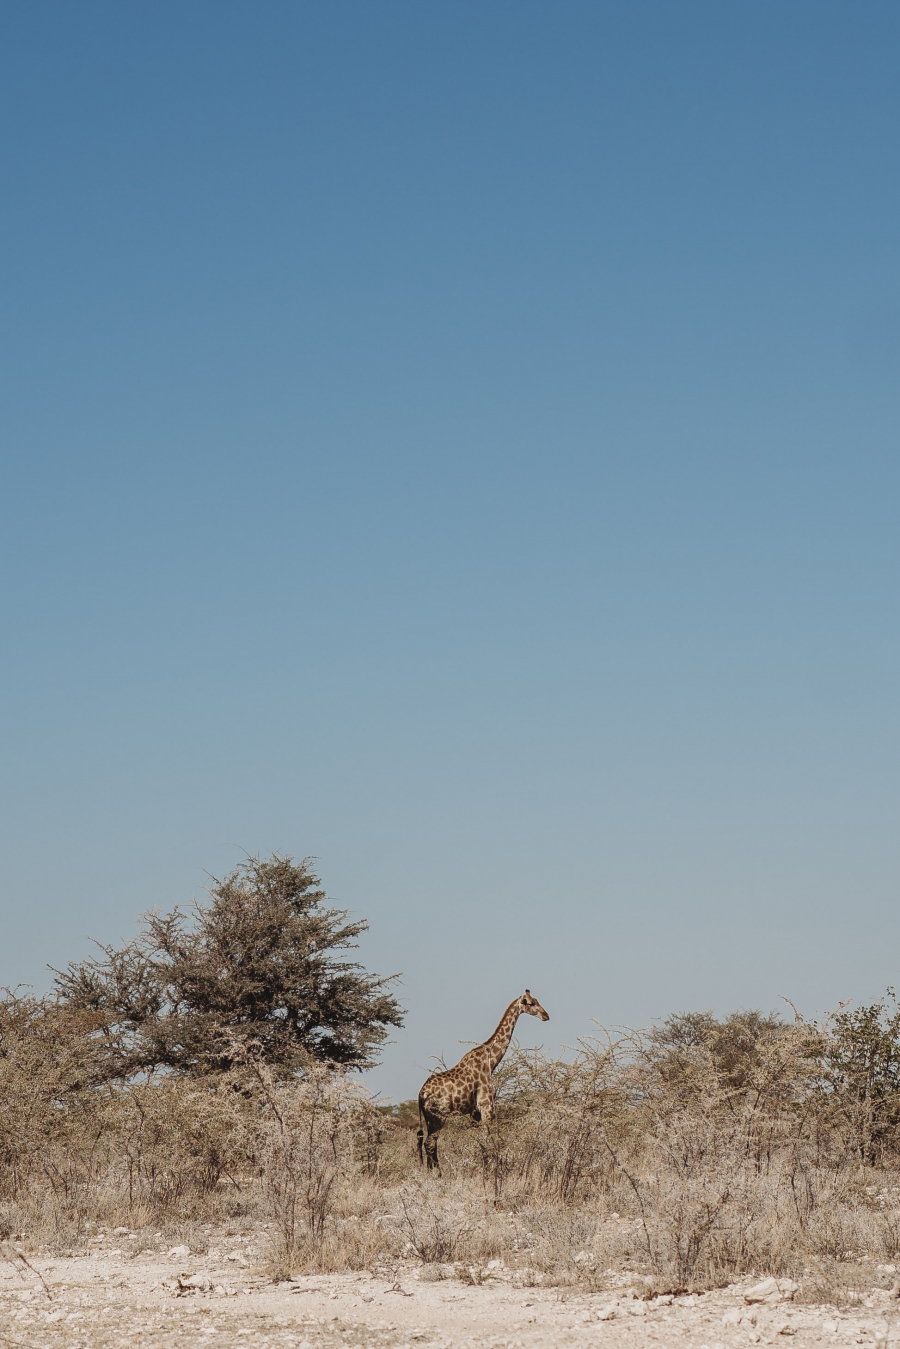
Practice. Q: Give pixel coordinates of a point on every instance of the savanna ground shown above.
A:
(638, 1193)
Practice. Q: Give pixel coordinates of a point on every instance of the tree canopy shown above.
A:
(260, 964)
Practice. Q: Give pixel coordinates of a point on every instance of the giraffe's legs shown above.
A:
(431, 1152)
(484, 1105)
(433, 1125)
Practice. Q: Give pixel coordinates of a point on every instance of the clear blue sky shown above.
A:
(459, 441)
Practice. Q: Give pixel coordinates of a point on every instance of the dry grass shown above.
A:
(690, 1157)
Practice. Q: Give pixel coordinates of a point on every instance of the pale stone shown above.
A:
(771, 1290)
(761, 1291)
(202, 1282)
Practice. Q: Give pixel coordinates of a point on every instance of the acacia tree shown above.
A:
(259, 964)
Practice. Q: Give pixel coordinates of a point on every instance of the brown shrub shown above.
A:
(691, 1155)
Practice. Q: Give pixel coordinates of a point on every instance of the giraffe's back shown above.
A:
(455, 1091)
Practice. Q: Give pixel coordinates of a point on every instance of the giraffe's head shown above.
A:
(531, 1005)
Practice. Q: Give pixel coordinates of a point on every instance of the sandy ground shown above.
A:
(108, 1298)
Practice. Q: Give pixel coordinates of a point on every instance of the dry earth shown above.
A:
(113, 1297)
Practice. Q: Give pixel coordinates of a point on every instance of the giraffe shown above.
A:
(467, 1089)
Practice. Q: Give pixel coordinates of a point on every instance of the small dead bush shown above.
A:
(435, 1220)
(307, 1135)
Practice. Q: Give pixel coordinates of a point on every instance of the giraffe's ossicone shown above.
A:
(468, 1088)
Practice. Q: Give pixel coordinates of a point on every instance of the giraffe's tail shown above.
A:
(420, 1135)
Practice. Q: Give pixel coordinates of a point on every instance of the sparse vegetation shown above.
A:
(701, 1151)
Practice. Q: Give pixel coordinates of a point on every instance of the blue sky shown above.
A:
(459, 442)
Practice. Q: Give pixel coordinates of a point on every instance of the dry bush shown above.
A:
(310, 1131)
(691, 1155)
(436, 1220)
(176, 1140)
(49, 1067)
(76, 1150)
(719, 1148)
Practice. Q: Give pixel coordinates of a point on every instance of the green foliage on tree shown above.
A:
(261, 964)
(861, 1070)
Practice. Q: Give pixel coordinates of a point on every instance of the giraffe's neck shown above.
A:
(498, 1044)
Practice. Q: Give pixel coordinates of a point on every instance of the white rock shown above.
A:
(771, 1290)
(830, 1327)
(608, 1313)
(202, 1282)
(732, 1317)
(637, 1308)
(179, 1252)
(760, 1292)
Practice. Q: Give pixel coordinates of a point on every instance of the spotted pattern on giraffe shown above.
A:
(468, 1088)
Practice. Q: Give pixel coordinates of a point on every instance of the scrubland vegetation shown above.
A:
(691, 1154)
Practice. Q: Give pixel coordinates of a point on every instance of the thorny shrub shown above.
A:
(692, 1154)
